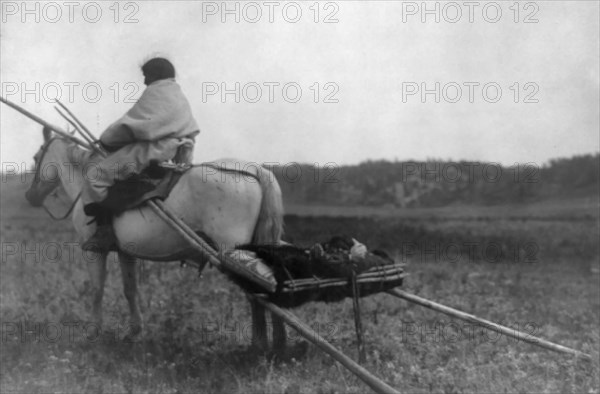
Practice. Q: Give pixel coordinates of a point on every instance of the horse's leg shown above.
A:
(130, 289)
(96, 263)
(279, 334)
(259, 326)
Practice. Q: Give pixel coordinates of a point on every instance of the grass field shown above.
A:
(535, 268)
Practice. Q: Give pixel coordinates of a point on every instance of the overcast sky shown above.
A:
(366, 64)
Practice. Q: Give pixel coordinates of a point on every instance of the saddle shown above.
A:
(156, 181)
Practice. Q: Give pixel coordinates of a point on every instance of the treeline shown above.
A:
(437, 183)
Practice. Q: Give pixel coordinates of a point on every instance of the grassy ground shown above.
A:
(544, 281)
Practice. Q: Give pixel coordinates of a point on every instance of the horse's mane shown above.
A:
(76, 154)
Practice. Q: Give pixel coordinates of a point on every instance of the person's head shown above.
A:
(157, 69)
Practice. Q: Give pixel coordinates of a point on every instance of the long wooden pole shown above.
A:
(85, 129)
(77, 128)
(371, 380)
(487, 324)
(217, 259)
(39, 120)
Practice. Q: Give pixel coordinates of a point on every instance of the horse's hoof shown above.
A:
(132, 333)
(297, 351)
(96, 319)
(258, 349)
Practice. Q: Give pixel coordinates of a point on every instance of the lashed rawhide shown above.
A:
(323, 271)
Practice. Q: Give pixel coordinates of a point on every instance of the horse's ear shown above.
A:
(47, 133)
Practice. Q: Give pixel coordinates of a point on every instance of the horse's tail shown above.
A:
(269, 226)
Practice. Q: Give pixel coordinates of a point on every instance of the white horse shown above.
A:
(229, 208)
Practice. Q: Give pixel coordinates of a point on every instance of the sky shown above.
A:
(339, 81)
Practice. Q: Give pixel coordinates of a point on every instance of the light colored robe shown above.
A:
(151, 131)
(162, 111)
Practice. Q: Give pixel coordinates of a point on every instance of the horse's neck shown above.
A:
(71, 173)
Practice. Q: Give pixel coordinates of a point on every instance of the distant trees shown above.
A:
(437, 183)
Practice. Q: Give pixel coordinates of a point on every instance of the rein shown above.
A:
(66, 215)
(45, 148)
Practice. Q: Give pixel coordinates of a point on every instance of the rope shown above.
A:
(66, 215)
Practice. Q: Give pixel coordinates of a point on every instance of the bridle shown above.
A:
(66, 215)
(45, 148)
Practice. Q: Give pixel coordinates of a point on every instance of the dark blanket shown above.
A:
(326, 260)
(322, 261)
(155, 182)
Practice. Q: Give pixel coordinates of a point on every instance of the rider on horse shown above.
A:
(152, 131)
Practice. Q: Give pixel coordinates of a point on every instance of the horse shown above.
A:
(216, 203)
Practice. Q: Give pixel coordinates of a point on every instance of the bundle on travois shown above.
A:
(328, 271)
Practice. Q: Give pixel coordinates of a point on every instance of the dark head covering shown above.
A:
(157, 69)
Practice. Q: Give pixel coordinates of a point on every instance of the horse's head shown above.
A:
(47, 176)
